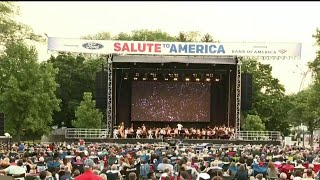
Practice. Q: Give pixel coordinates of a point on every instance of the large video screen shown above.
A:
(170, 101)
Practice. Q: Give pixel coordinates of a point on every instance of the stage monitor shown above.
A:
(170, 101)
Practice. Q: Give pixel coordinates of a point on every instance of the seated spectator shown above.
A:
(165, 164)
(113, 173)
(78, 164)
(16, 171)
(152, 176)
(297, 175)
(184, 175)
(203, 175)
(309, 175)
(41, 165)
(76, 173)
(144, 169)
(132, 176)
(233, 169)
(104, 177)
(272, 171)
(88, 174)
(66, 176)
(283, 176)
(242, 173)
(166, 172)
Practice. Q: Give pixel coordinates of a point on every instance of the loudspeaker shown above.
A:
(101, 89)
(1, 124)
(246, 91)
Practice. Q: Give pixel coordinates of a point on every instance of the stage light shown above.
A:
(137, 74)
(197, 79)
(208, 79)
(135, 78)
(166, 79)
(175, 79)
(217, 80)
(145, 77)
(187, 79)
(155, 79)
(126, 76)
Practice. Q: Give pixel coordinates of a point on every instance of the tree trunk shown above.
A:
(18, 133)
(311, 137)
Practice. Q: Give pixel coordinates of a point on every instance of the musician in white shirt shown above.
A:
(126, 131)
(179, 128)
(150, 134)
(115, 133)
(138, 133)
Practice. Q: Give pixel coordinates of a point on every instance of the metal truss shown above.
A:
(109, 96)
(238, 98)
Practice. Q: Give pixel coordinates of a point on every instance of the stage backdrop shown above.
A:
(170, 101)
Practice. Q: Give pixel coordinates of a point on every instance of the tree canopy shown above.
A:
(269, 100)
(10, 29)
(87, 116)
(76, 75)
(27, 90)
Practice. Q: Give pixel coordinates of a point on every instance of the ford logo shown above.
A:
(92, 45)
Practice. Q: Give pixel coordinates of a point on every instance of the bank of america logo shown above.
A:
(282, 51)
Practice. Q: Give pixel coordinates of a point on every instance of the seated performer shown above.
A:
(179, 128)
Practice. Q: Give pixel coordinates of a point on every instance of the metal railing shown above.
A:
(259, 135)
(82, 133)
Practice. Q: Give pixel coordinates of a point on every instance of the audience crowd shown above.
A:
(90, 161)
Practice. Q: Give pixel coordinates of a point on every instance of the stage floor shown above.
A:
(186, 141)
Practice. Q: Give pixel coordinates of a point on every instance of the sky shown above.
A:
(226, 21)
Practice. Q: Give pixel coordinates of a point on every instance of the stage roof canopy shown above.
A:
(175, 59)
(265, 50)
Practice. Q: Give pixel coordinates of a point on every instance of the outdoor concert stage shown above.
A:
(166, 83)
(160, 91)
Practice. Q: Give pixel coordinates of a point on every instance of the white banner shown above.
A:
(175, 48)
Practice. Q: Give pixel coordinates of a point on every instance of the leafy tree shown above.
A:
(149, 35)
(123, 37)
(306, 109)
(191, 36)
(76, 75)
(182, 37)
(253, 123)
(207, 38)
(87, 116)
(27, 90)
(269, 100)
(98, 36)
(10, 29)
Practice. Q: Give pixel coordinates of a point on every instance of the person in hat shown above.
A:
(88, 173)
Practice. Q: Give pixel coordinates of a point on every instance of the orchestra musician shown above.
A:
(179, 128)
(221, 132)
(121, 130)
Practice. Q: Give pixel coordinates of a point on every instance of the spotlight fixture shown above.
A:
(197, 79)
(155, 78)
(145, 77)
(217, 80)
(187, 79)
(135, 78)
(166, 79)
(126, 76)
(208, 79)
(175, 79)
